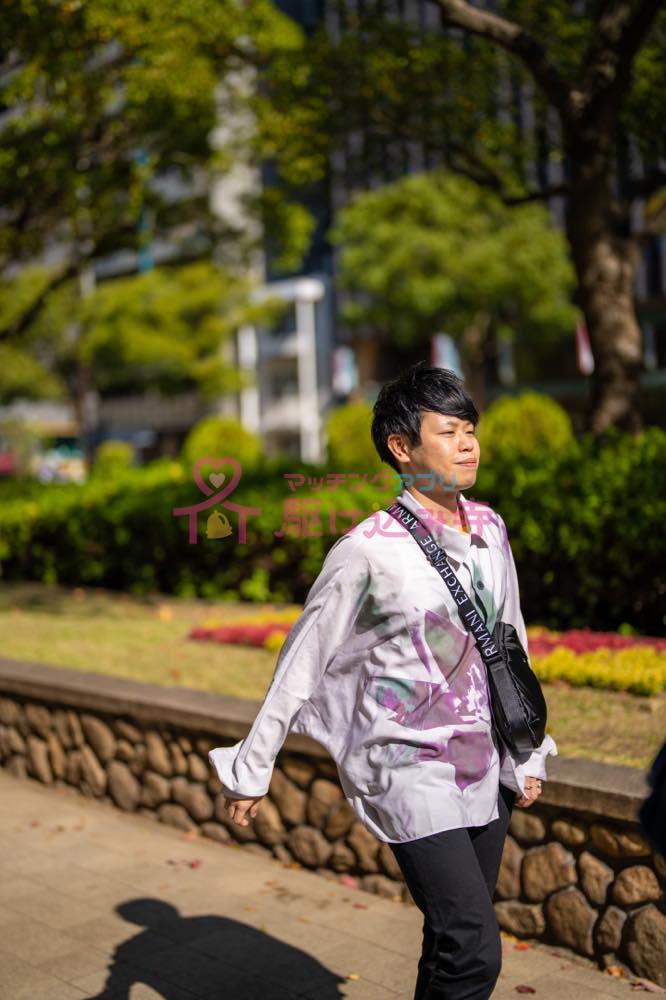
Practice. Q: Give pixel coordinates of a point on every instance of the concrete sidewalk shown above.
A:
(96, 903)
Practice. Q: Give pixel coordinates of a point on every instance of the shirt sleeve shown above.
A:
(515, 768)
(332, 603)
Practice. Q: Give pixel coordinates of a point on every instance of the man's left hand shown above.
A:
(532, 793)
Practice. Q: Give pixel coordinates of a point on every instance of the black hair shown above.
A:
(402, 402)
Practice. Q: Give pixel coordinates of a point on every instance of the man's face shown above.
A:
(449, 448)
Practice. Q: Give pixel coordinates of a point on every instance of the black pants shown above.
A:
(451, 876)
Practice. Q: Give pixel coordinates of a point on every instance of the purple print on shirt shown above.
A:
(470, 754)
(424, 705)
(459, 700)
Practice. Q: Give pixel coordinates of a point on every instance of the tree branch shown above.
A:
(33, 310)
(618, 34)
(542, 195)
(515, 39)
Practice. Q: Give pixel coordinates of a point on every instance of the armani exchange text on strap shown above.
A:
(466, 610)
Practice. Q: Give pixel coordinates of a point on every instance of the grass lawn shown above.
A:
(146, 639)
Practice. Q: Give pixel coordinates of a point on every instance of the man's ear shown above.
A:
(399, 447)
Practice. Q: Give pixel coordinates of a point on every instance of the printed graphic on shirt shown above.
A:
(456, 700)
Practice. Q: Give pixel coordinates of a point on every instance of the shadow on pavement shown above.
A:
(210, 957)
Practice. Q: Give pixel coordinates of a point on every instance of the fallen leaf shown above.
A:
(190, 835)
(349, 881)
(249, 907)
(360, 906)
(196, 863)
(353, 976)
(646, 986)
(525, 989)
(522, 946)
(614, 970)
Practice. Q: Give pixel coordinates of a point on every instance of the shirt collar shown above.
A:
(454, 542)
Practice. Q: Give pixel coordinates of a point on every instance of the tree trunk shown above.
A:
(367, 354)
(86, 397)
(605, 264)
(475, 346)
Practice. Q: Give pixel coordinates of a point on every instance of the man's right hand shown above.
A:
(240, 809)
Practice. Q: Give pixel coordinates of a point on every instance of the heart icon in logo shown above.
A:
(217, 478)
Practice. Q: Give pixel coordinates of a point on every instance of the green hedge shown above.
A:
(120, 533)
(587, 531)
(586, 527)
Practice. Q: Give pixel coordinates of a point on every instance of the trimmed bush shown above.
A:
(112, 457)
(350, 445)
(213, 436)
(523, 425)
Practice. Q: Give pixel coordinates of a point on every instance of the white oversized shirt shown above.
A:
(379, 670)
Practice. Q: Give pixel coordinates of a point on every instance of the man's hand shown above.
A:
(239, 809)
(532, 793)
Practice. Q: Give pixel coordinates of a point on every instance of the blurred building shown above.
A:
(291, 366)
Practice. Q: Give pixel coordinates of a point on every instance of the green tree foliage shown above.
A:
(162, 329)
(106, 100)
(531, 100)
(111, 113)
(435, 252)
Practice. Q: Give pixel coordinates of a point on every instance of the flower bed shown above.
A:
(579, 657)
(607, 660)
(268, 630)
(584, 640)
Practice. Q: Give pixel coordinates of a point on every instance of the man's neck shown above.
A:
(442, 504)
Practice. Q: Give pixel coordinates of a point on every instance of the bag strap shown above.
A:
(469, 615)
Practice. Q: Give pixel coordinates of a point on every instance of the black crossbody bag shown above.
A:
(517, 701)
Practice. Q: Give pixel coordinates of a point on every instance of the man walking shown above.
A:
(381, 671)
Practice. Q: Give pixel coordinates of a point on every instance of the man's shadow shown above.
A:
(210, 957)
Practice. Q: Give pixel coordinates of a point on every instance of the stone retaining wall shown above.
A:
(576, 870)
